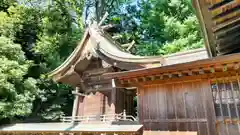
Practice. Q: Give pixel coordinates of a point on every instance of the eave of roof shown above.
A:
(233, 58)
(219, 17)
(71, 59)
(205, 22)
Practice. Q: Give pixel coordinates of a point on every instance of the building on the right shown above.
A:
(201, 96)
(220, 23)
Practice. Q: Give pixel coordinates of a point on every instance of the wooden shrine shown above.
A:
(84, 69)
(196, 92)
(200, 96)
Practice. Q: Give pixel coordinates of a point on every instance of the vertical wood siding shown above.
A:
(185, 106)
(95, 104)
(92, 104)
(81, 106)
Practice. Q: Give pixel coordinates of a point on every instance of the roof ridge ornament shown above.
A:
(103, 19)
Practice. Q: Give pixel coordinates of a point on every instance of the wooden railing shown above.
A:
(99, 118)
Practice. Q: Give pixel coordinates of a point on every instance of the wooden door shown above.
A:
(125, 101)
(180, 106)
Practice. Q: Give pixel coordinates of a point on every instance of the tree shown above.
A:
(17, 92)
(46, 36)
(5, 4)
(159, 27)
(94, 10)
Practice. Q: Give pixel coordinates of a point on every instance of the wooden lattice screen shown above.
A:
(226, 96)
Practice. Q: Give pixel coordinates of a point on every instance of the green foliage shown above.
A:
(59, 32)
(183, 35)
(94, 10)
(17, 92)
(34, 41)
(159, 26)
(5, 4)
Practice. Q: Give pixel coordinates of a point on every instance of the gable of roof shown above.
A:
(97, 44)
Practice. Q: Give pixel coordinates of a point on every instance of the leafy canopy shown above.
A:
(35, 40)
(17, 92)
(158, 27)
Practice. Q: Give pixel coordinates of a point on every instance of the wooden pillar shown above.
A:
(75, 105)
(113, 96)
(138, 103)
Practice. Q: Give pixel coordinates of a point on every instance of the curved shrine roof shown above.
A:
(98, 44)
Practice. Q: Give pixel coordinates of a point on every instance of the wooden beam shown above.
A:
(165, 75)
(116, 36)
(127, 44)
(152, 77)
(135, 79)
(236, 66)
(113, 83)
(100, 89)
(100, 82)
(223, 25)
(103, 19)
(78, 94)
(121, 82)
(221, 34)
(75, 105)
(158, 76)
(216, 61)
(130, 45)
(189, 72)
(108, 26)
(212, 69)
(179, 74)
(113, 94)
(144, 79)
(224, 68)
(161, 77)
(201, 71)
(191, 78)
(95, 72)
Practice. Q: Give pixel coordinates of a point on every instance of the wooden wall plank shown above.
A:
(145, 114)
(81, 106)
(199, 109)
(153, 109)
(177, 106)
(190, 103)
(92, 104)
(210, 112)
(178, 88)
(170, 107)
(162, 107)
(147, 105)
(141, 105)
